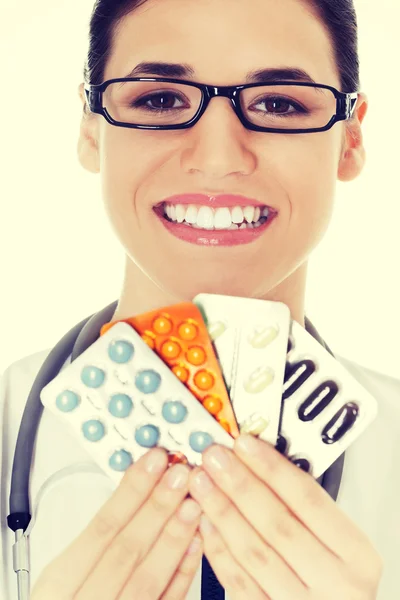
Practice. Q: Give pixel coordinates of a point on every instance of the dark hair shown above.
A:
(339, 17)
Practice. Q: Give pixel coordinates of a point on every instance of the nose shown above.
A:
(219, 142)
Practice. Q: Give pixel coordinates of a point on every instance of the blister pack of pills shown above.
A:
(324, 408)
(121, 399)
(179, 336)
(250, 338)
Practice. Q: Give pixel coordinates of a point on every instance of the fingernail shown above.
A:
(155, 461)
(177, 476)
(217, 458)
(189, 511)
(195, 545)
(248, 443)
(202, 484)
(205, 525)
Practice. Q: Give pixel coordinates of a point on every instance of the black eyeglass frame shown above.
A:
(345, 103)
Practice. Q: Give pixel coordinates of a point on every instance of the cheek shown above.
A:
(310, 173)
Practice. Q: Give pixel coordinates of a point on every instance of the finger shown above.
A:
(184, 575)
(132, 544)
(258, 559)
(310, 503)
(237, 583)
(165, 556)
(272, 519)
(73, 566)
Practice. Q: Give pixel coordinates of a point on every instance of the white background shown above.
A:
(60, 261)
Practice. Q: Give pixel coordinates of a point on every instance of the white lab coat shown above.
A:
(69, 488)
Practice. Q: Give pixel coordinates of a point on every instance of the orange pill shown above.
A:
(212, 404)
(224, 424)
(187, 331)
(177, 457)
(162, 325)
(196, 355)
(181, 372)
(149, 341)
(170, 349)
(204, 380)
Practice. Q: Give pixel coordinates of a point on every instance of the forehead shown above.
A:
(224, 39)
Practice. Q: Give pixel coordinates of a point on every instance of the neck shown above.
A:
(140, 294)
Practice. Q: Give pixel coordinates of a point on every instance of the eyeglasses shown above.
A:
(277, 107)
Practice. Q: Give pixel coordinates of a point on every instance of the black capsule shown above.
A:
(340, 423)
(318, 400)
(302, 463)
(281, 444)
(300, 371)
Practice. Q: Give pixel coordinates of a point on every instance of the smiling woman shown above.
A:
(220, 129)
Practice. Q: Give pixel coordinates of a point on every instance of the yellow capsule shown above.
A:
(254, 425)
(216, 329)
(262, 336)
(259, 380)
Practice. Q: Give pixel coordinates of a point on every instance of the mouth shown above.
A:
(223, 225)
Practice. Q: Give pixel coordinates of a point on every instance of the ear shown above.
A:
(353, 157)
(88, 152)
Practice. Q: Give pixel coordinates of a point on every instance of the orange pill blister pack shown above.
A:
(179, 336)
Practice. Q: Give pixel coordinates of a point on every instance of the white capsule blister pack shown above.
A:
(250, 337)
(121, 399)
(324, 407)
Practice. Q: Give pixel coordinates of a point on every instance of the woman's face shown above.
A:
(295, 174)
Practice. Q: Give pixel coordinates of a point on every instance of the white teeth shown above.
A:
(205, 218)
(180, 213)
(222, 218)
(249, 213)
(237, 215)
(191, 214)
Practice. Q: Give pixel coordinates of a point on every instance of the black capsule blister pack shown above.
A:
(324, 408)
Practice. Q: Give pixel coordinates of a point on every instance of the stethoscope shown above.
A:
(74, 343)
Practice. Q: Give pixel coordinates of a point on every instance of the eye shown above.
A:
(164, 104)
(279, 105)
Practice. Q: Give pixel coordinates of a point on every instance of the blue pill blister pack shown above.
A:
(250, 337)
(121, 399)
(324, 408)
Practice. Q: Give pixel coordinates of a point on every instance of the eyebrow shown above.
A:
(185, 71)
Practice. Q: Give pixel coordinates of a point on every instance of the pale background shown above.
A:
(60, 261)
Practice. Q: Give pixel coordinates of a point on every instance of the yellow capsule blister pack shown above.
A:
(250, 337)
(179, 336)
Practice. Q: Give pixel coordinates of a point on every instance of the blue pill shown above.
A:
(120, 405)
(120, 351)
(93, 377)
(93, 430)
(174, 412)
(147, 436)
(200, 440)
(147, 381)
(67, 401)
(120, 460)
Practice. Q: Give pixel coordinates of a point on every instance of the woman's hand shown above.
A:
(138, 544)
(271, 531)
